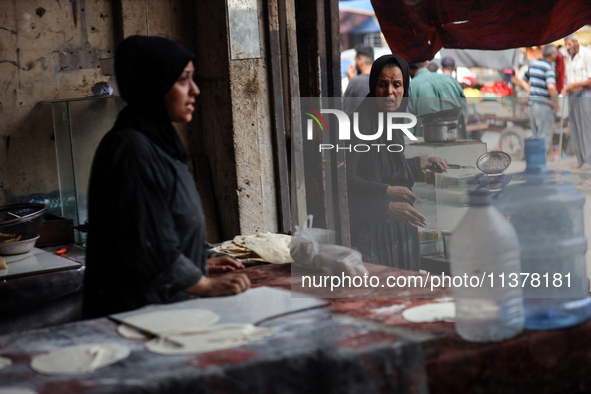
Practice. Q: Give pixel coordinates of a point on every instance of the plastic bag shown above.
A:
(314, 248)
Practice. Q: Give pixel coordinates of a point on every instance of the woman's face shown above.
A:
(390, 89)
(180, 99)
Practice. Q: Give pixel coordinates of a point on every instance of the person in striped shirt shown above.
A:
(542, 93)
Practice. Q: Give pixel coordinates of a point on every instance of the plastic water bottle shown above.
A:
(484, 246)
(548, 217)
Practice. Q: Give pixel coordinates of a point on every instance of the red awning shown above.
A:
(417, 29)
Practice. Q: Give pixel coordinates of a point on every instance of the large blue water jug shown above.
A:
(547, 215)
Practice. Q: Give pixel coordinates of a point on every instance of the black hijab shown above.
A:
(382, 167)
(146, 68)
(376, 70)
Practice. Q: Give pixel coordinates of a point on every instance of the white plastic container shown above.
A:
(484, 246)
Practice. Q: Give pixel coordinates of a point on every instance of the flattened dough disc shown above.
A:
(437, 311)
(209, 339)
(166, 321)
(16, 390)
(79, 359)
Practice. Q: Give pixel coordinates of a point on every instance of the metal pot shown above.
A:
(443, 131)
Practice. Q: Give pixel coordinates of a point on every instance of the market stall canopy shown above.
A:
(357, 16)
(418, 29)
(508, 58)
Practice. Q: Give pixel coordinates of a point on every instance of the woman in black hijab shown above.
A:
(384, 223)
(146, 240)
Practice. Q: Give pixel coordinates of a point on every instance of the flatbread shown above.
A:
(79, 359)
(274, 248)
(231, 247)
(167, 321)
(16, 390)
(236, 249)
(239, 239)
(438, 311)
(209, 339)
(5, 362)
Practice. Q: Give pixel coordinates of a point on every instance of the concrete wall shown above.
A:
(50, 50)
(253, 145)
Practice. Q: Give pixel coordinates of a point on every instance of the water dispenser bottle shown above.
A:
(547, 215)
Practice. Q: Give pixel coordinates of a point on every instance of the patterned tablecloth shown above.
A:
(360, 343)
(311, 351)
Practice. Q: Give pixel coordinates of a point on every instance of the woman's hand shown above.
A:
(435, 164)
(220, 265)
(407, 214)
(220, 286)
(401, 193)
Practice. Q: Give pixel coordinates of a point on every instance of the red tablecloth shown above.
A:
(554, 361)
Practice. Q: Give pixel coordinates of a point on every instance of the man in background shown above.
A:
(578, 88)
(433, 92)
(433, 66)
(542, 94)
(448, 65)
(358, 75)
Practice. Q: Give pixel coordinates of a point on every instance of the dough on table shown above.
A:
(5, 362)
(167, 321)
(16, 390)
(438, 311)
(217, 337)
(274, 248)
(3, 265)
(79, 359)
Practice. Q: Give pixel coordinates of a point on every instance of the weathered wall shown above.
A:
(213, 139)
(250, 90)
(254, 148)
(49, 49)
(234, 129)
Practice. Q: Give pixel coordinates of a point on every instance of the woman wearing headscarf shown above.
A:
(146, 240)
(384, 223)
